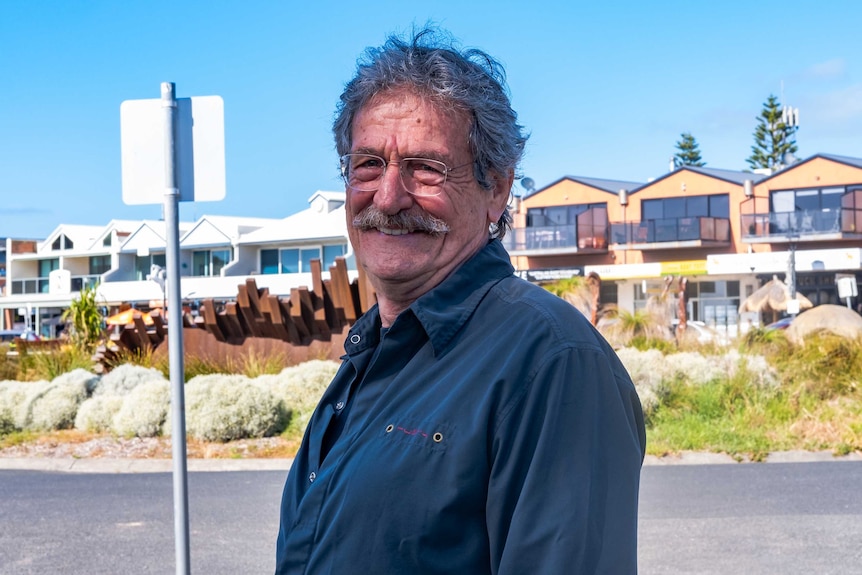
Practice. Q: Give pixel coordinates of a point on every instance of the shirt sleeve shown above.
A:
(565, 470)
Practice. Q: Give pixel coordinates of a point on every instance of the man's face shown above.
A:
(396, 125)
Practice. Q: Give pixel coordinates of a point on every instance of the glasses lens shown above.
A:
(423, 177)
(362, 171)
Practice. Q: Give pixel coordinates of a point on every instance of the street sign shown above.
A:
(199, 150)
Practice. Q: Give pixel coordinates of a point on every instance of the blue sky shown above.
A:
(605, 89)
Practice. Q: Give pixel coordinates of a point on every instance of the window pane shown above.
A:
(220, 258)
(200, 263)
(159, 260)
(330, 253)
(674, 207)
(719, 206)
(652, 210)
(697, 206)
(47, 266)
(831, 198)
(783, 201)
(306, 255)
(269, 261)
(807, 200)
(557, 216)
(289, 261)
(99, 264)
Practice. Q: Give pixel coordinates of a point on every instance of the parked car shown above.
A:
(783, 323)
(705, 334)
(8, 335)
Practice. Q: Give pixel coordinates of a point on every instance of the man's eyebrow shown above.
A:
(424, 154)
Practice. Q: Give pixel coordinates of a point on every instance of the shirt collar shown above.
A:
(444, 310)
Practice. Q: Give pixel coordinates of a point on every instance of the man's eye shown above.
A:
(427, 167)
(368, 164)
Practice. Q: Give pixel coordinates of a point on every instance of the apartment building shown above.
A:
(726, 232)
(123, 259)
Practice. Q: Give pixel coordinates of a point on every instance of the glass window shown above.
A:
(269, 261)
(200, 263)
(99, 264)
(107, 241)
(807, 200)
(697, 206)
(330, 253)
(652, 210)
(831, 198)
(556, 215)
(144, 263)
(47, 266)
(220, 258)
(305, 257)
(289, 261)
(783, 201)
(719, 206)
(674, 207)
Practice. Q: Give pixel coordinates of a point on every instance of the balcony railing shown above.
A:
(671, 230)
(549, 238)
(802, 223)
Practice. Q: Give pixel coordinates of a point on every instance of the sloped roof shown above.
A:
(611, 186)
(82, 237)
(221, 230)
(309, 224)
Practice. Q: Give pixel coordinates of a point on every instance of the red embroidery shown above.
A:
(412, 431)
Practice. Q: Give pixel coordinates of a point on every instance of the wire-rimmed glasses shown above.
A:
(420, 176)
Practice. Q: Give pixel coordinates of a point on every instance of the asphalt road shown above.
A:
(776, 518)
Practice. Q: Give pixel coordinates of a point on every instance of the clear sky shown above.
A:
(604, 88)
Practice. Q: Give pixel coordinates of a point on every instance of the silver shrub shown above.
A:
(12, 395)
(90, 380)
(652, 371)
(50, 405)
(228, 407)
(97, 413)
(125, 378)
(144, 410)
(300, 388)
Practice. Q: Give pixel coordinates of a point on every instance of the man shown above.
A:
(478, 424)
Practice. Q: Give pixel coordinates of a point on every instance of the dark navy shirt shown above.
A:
(490, 430)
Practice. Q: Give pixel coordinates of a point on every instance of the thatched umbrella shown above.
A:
(773, 296)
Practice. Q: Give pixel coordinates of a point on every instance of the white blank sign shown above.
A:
(200, 169)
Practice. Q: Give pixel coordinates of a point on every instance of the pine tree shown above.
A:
(689, 153)
(772, 137)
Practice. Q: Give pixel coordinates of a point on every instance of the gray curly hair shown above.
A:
(468, 80)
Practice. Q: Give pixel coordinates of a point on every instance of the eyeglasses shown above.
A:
(419, 176)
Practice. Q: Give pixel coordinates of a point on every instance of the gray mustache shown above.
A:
(372, 218)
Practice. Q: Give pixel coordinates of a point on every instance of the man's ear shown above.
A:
(500, 195)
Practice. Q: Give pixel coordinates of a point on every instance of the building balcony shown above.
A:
(802, 225)
(671, 233)
(554, 240)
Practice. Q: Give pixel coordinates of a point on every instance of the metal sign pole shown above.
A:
(175, 334)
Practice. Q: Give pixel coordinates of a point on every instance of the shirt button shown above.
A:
(355, 338)
(339, 406)
(311, 477)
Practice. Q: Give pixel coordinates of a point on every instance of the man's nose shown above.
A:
(391, 197)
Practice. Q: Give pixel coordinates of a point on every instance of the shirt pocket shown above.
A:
(417, 433)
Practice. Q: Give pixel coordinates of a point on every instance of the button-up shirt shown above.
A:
(489, 430)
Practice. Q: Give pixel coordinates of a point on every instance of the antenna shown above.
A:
(528, 184)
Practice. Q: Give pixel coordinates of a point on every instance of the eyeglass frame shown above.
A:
(399, 163)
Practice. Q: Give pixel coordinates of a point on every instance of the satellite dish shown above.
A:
(528, 184)
(788, 159)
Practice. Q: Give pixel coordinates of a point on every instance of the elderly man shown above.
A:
(478, 424)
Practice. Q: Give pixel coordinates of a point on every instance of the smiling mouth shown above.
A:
(395, 231)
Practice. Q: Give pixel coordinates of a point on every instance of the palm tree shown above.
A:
(84, 319)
